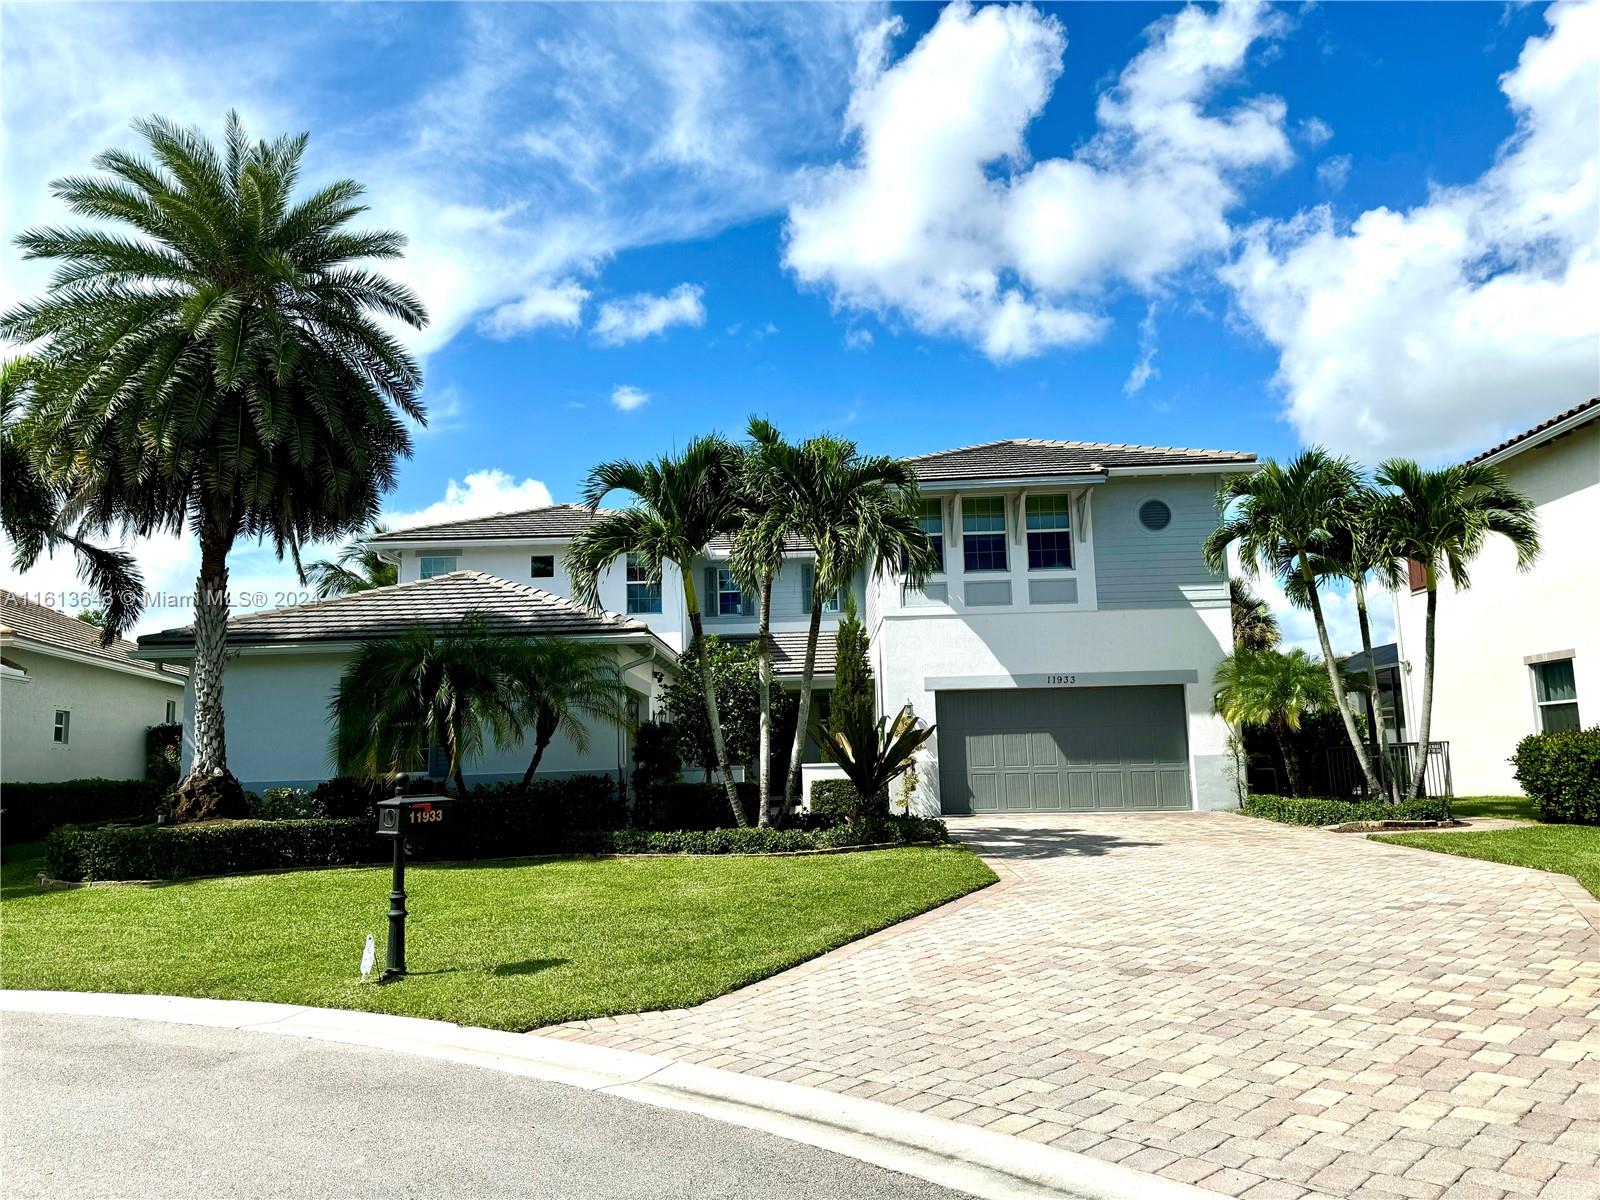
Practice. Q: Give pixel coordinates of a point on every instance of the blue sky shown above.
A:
(1372, 226)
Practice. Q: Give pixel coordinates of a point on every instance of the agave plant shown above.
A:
(872, 754)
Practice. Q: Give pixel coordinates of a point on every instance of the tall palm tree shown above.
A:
(217, 365)
(681, 504)
(359, 568)
(859, 512)
(36, 517)
(758, 552)
(1273, 690)
(561, 685)
(1254, 626)
(1440, 520)
(400, 695)
(1282, 517)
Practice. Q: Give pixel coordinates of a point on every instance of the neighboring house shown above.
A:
(285, 665)
(1067, 646)
(71, 708)
(1519, 651)
(1391, 701)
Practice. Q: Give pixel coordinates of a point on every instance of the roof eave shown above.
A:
(1564, 426)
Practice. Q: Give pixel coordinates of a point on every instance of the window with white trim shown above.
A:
(644, 593)
(930, 519)
(437, 564)
(1555, 693)
(62, 733)
(808, 587)
(1049, 533)
(542, 566)
(983, 533)
(172, 712)
(730, 600)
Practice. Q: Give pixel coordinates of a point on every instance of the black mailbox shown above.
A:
(407, 816)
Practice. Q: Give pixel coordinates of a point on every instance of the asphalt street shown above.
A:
(93, 1107)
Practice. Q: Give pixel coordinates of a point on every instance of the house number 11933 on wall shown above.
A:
(1060, 680)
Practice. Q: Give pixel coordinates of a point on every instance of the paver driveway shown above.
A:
(1263, 1010)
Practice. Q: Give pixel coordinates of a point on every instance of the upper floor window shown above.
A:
(542, 566)
(437, 564)
(983, 533)
(63, 728)
(930, 519)
(172, 712)
(644, 594)
(1049, 533)
(808, 587)
(1555, 691)
(731, 600)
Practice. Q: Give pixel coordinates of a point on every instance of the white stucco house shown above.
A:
(1065, 649)
(71, 708)
(1519, 651)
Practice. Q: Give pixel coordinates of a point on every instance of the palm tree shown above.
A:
(1440, 520)
(400, 695)
(1283, 517)
(859, 512)
(1254, 626)
(218, 367)
(1273, 690)
(359, 568)
(758, 551)
(560, 684)
(34, 514)
(680, 506)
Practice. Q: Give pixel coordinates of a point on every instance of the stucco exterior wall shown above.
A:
(1483, 687)
(110, 712)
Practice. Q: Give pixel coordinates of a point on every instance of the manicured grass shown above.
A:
(1511, 808)
(513, 944)
(1569, 849)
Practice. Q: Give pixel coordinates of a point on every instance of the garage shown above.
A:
(1091, 749)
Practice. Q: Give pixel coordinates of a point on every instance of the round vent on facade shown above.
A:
(1154, 515)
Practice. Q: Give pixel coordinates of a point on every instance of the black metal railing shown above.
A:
(1400, 762)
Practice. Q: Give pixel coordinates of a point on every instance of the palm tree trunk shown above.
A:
(1373, 786)
(210, 652)
(1376, 732)
(764, 667)
(1291, 772)
(1419, 769)
(797, 754)
(455, 764)
(697, 632)
(539, 747)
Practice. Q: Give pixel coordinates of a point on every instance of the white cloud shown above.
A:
(858, 339)
(1434, 330)
(1144, 367)
(1333, 173)
(939, 218)
(1314, 131)
(479, 494)
(634, 318)
(628, 398)
(561, 305)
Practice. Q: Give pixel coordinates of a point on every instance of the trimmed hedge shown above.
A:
(1560, 772)
(34, 809)
(701, 806)
(1300, 810)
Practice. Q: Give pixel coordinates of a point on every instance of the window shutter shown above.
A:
(711, 602)
(808, 586)
(1418, 576)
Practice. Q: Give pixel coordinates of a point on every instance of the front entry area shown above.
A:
(1090, 749)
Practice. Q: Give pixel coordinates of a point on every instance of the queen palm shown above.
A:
(358, 568)
(859, 513)
(1273, 690)
(560, 685)
(1440, 520)
(1282, 517)
(400, 695)
(217, 365)
(36, 516)
(681, 504)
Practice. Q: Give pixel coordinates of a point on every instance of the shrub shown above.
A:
(1560, 772)
(351, 796)
(283, 804)
(1289, 810)
(34, 809)
(656, 765)
(833, 801)
(878, 829)
(696, 806)
(163, 751)
(210, 848)
(899, 830)
(574, 802)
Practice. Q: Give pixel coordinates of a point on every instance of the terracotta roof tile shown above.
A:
(1593, 403)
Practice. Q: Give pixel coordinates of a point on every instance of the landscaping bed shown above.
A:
(1322, 811)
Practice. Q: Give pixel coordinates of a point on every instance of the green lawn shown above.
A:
(1569, 849)
(1515, 808)
(514, 944)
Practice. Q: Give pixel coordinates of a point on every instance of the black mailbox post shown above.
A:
(399, 818)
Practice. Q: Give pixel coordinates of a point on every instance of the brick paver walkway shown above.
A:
(1262, 1010)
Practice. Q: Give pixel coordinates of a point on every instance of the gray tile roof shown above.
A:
(511, 608)
(1025, 457)
(1588, 405)
(22, 618)
(789, 651)
(556, 521)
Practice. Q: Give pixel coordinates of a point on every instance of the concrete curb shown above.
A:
(988, 1165)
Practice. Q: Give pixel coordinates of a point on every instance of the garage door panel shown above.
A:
(1073, 750)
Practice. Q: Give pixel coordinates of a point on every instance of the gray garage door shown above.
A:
(1063, 750)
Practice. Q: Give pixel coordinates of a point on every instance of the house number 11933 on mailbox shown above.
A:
(418, 815)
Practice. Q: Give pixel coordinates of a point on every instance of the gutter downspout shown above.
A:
(649, 656)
